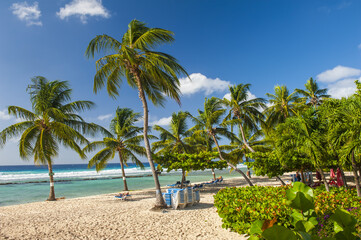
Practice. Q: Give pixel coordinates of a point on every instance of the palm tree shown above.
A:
(346, 132)
(125, 142)
(208, 122)
(307, 134)
(152, 73)
(283, 105)
(53, 121)
(313, 95)
(173, 140)
(244, 110)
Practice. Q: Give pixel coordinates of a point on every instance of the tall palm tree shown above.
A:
(53, 121)
(244, 110)
(208, 121)
(125, 142)
(283, 105)
(172, 140)
(313, 95)
(154, 74)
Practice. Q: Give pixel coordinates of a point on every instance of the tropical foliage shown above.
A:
(54, 120)
(240, 207)
(123, 140)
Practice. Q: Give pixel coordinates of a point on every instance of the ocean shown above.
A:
(29, 183)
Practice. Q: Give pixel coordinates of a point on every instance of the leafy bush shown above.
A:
(239, 207)
(301, 198)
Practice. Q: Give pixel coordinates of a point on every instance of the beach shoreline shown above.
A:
(105, 217)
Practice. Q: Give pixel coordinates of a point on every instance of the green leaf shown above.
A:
(342, 219)
(305, 236)
(253, 238)
(278, 233)
(256, 227)
(300, 201)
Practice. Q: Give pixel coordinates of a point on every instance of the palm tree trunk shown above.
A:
(279, 179)
(244, 138)
(159, 202)
(354, 169)
(324, 179)
(252, 150)
(123, 172)
(51, 177)
(183, 178)
(230, 164)
(302, 176)
(214, 174)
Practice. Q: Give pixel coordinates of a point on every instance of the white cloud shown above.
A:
(83, 9)
(103, 117)
(162, 122)
(4, 115)
(27, 13)
(200, 83)
(359, 46)
(250, 96)
(337, 73)
(342, 88)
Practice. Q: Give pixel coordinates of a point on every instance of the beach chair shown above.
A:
(196, 196)
(197, 186)
(211, 182)
(189, 196)
(168, 199)
(178, 197)
(177, 184)
(123, 196)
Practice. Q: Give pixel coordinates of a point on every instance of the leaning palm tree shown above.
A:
(208, 122)
(313, 95)
(53, 121)
(172, 140)
(152, 74)
(283, 105)
(125, 142)
(243, 111)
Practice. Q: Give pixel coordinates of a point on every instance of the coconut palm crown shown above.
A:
(53, 121)
(244, 112)
(283, 105)
(124, 141)
(313, 95)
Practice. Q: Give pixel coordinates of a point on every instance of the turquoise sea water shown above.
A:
(23, 184)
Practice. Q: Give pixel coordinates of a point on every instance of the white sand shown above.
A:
(105, 217)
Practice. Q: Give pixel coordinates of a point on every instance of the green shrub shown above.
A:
(239, 207)
(301, 198)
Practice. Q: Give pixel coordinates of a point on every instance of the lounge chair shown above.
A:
(123, 196)
(177, 184)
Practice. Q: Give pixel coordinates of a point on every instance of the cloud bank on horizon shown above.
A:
(340, 80)
(30, 14)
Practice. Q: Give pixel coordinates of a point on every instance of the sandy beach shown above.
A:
(105, 217)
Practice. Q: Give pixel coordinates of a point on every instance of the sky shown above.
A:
(219, 43)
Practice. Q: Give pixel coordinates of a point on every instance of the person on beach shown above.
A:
(248, 173)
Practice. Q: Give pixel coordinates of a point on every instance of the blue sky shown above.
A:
(220, 43)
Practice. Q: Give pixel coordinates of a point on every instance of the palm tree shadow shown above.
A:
(197, 206)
